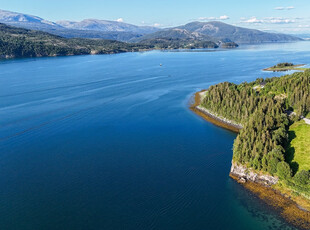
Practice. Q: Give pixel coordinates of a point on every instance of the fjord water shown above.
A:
(108, 142)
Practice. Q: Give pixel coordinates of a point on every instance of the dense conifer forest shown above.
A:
(266, 109)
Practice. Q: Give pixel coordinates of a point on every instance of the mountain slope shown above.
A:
(18, 42)
(118, 36)
(237, 34)
(176, 37)
(106, 26)
(90, 28)
(26, 21)
(176, 33)
(218, 32)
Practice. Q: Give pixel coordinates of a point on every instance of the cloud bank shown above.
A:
(284, 8)
(269, 20)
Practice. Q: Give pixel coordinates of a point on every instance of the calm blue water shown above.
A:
(107, 142)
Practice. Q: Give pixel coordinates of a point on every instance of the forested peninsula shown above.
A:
(271, 154)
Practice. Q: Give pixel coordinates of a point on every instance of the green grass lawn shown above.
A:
(299, 149)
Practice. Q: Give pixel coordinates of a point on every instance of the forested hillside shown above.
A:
(263, 108)
(17, 42)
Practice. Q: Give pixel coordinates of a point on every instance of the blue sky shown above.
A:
(279, 15)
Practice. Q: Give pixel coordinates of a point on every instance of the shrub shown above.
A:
(302, 177)
(284, 170)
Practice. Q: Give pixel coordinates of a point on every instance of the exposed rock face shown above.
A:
(244, 174)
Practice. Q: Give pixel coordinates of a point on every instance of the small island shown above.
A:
(285, 66)
(229, 45)
(271, 154)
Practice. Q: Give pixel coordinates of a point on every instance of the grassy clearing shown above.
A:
(300, 145)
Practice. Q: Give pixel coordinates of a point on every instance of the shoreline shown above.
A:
(95, 52)
(211, 117)
(282, 203)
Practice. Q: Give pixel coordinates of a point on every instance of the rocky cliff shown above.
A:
(244, 174)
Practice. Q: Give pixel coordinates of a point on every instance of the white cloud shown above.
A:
(156, 25)
(303, 26)
(269, 20)
(284, 8)
(280, 8)
(279, 20)
(251, 20)
(120, 20)
(223, 17)
(206, 18)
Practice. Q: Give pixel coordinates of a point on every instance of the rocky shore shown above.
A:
(244, 174)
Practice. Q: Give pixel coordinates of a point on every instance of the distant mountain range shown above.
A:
(215, 33)
(89, 28)
(218, 32)
(175, 37)
(176, 33)
(107, 26)
(26, 21)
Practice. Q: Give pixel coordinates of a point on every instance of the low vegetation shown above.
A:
(299, 148)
